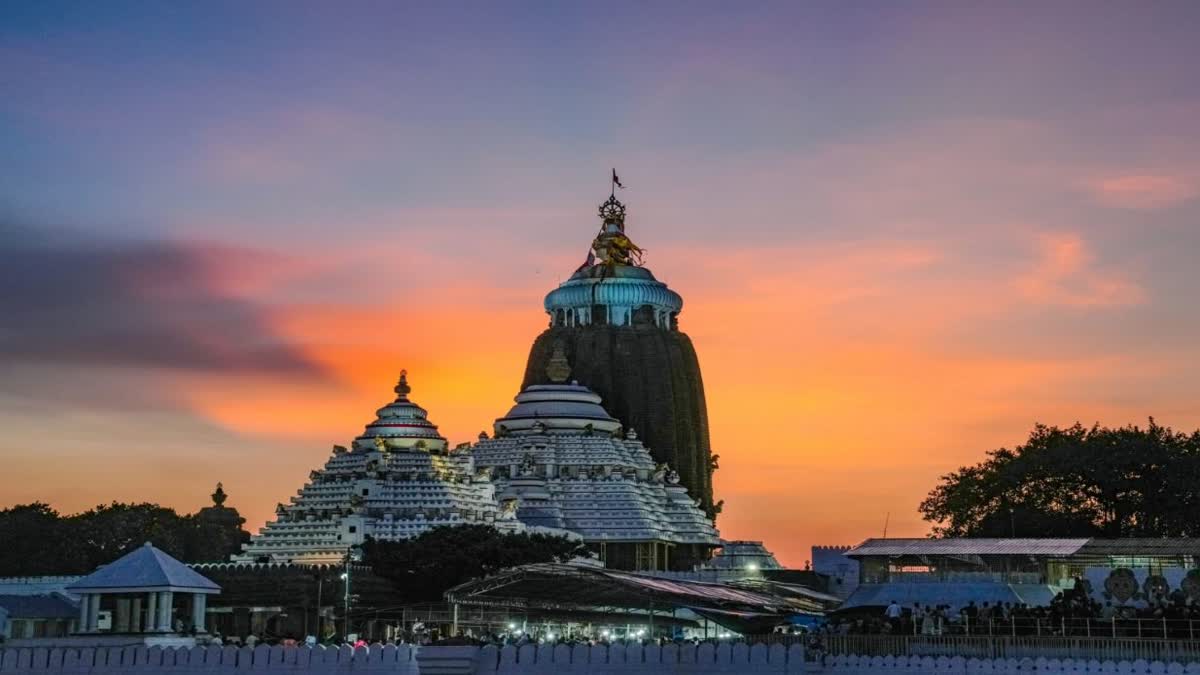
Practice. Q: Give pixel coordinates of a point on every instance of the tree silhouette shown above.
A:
(1076, 482)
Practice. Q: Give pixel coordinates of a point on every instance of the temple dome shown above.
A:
(622, 287)
(557, 407)
(401, 423)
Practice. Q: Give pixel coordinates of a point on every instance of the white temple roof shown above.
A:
(558, 408)
(397, 481)
(570, 466)
(401, 422)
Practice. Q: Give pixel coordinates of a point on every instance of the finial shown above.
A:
(402, 387)
(558, 368)
(219, 496)
(612, 212)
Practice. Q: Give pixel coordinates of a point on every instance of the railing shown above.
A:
(1000, 646)
(1165, 629)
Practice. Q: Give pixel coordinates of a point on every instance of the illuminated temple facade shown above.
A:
(397, 480)
(570, 465)
(564, 460)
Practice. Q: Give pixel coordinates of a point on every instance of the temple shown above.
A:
(619, 327)
(397, 480)
(570, 465)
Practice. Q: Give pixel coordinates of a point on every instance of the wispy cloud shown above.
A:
(1065, 273)
(1144, 191)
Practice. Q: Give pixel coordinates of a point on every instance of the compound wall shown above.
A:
(706, 659)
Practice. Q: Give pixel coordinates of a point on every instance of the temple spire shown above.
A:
(402, 389)
(218, 496)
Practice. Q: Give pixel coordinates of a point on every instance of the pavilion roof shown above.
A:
(560, 586)
(51, 606)
(960, 547)
(141, 570)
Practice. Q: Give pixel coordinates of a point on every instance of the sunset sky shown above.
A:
(904, 232)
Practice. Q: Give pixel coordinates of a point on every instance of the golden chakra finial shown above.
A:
(402, 387)
(612, 212)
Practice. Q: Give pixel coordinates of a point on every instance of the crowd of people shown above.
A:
(1073, 612)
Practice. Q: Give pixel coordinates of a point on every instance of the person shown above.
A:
(893, 614)
(970, 616)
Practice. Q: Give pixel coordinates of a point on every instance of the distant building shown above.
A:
(36, 616)
(841, 570)
(956, 571)
(744, 556)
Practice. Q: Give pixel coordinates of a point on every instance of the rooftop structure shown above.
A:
(570, 587)
(36, 616)
(397, 480)
(570, 465)
(1029, 570)
(619, 327)
(145, 592)
(750, 556)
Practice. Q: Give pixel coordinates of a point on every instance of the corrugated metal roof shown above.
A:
(956, 595)
(918, 547)
(1141, 547)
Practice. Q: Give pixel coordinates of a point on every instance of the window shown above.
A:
(366, 491)
(353, 529)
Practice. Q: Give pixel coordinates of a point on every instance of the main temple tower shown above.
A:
(619, 328)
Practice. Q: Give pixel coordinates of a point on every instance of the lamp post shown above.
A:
(352, 556)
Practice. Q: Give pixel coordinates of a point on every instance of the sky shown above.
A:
(905, 232)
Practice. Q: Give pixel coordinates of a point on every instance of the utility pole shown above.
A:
(353, 555)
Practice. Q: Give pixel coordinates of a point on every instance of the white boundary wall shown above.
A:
(705, 659)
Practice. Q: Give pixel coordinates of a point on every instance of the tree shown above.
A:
(425, 567)
(36, 541)
(108, 532)
(1076, 482)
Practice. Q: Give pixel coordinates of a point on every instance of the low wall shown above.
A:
(928, 665)
(706, 659)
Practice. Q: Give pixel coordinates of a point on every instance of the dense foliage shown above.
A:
(1076, 482)
(38, 540)
(425, 567)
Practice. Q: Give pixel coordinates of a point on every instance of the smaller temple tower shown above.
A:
(221, 533)
(397, 480)
(570, 465)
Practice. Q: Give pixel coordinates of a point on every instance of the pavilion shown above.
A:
(144, 593)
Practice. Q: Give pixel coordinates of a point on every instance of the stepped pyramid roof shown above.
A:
(571, 465)
(397, 480)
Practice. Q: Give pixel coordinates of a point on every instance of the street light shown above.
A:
(354, 554)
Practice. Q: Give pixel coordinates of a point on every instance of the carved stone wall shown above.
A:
(650, 380)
